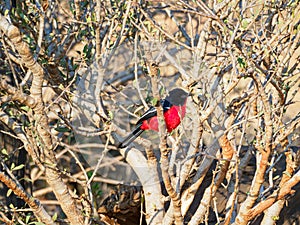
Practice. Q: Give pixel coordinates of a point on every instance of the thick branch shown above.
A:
(242, 217)
(33, 203)
(153, 70)
(40, 120)
(286, 189)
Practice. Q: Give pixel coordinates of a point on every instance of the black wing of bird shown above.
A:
(151, 112)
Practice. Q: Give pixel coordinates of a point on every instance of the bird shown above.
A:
(174, 108)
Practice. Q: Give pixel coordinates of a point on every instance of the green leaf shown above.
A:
(245, 22)
(241, 62)
(275, 218)
(25, 108)
(27, 219)
(89, 174)
(99, 193)
(287, 173)
(62, 129)
(12, 166)
(142, 199)
(6, 12)
(54, 217)
(8, 193)
(61, 87)
(21, 166)
(111, 115)
(4, 152)
(162, 90)
(154, 101)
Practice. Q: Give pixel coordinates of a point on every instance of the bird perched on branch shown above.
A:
(174, 107)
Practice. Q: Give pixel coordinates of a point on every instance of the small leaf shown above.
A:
(162, 90)
(25, 108)
(275, 218)
(154, 101)
(4, 152)
(99, 193)
(6, 12)
(241, 62)
(62, 129)
(111, 115)
(27, 219)
(89, 174)
(245, 22)
(54, 217)
(21, 166)
(8, 192)
(61, 86)
(27, 179)
(142, 199)
(287, 173)
(12, 166)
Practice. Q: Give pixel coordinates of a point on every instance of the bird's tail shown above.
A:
(131, 137)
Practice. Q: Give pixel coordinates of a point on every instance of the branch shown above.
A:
(275, 209)
(163, 31)
(227, 153)
(153, 71)
(285, 190)
(15, 94)
(33, 203)
(17, 129)
(242, 217)
(148, 176)
(40, 120)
